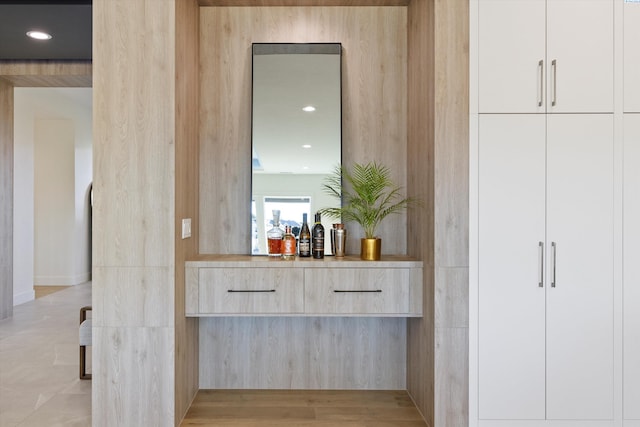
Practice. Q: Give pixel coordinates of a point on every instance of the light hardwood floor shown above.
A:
(302, 408)
(39, 384)
(42, 291)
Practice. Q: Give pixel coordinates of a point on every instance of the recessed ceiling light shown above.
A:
(305, 167)
(309, 108)
(39, 35)
(306, 146)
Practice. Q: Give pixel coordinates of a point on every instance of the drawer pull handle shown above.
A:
(364, 291)
(251, 290)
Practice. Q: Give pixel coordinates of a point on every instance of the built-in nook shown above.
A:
(374, 127)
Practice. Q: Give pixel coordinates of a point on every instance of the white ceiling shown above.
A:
(283, 84)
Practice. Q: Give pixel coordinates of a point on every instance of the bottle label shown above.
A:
(318, 244)
(289, 246)
(305, 246)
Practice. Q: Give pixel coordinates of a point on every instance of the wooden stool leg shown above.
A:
(83, 364)
(83, 348)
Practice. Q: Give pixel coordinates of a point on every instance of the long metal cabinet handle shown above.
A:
(541, 90)
(554, 70)
(364, 291)
(553, 264)
(251, 291)
(541, 264)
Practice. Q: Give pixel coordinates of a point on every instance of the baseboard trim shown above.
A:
(62, 280)
(23, 297)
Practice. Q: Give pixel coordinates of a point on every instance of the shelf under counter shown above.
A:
(244, 285)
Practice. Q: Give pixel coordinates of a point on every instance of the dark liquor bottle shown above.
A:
(304, 242)
(317, 238)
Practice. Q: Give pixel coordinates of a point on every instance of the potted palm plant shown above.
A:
(368, 195)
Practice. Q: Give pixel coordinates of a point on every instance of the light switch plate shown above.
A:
(186, 228)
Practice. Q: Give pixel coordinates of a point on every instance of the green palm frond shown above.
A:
(367, 193)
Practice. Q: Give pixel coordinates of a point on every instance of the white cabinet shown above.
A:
(580, 297)
(539, 56)
(511, 56)
(631, 57)
(511, 300)
(545, 267)
(631, 274)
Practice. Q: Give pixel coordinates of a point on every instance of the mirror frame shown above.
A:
(294, 48)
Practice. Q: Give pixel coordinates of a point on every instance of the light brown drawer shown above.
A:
(357, 291)
(251, 291)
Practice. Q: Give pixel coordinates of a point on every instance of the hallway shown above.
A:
(39, 382)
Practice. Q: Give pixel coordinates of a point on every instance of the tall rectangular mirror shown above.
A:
(296, 133)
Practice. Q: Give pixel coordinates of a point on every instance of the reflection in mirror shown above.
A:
(296, 133)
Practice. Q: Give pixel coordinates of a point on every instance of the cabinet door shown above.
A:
(580, 273)
(631, 274)
(511, 48)
(631, 57)
(511, 297)
(580, 41)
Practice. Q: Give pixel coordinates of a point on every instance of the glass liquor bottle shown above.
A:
(304, 243)
(274, 236)
(317, 238)
(288, 244)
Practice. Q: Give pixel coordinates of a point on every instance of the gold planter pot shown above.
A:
(370, 249)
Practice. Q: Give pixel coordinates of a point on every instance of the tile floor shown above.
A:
(39, 383)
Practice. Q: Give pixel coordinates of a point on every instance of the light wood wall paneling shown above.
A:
(303, 353)
(437, 367)
(452, 133)
(133, 296)
(421, 182)
(225, 135)
(47, 73)
(451, 297)
(134, 212)
(374, 105)
(6, 199)
(451, 200)
(325, 3)
(451, 347)
(451, 403)
(132, 381)
(374, 123)
(187, 147)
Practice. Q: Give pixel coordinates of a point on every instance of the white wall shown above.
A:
(54, 203)
(23, 199)
(55, 115)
